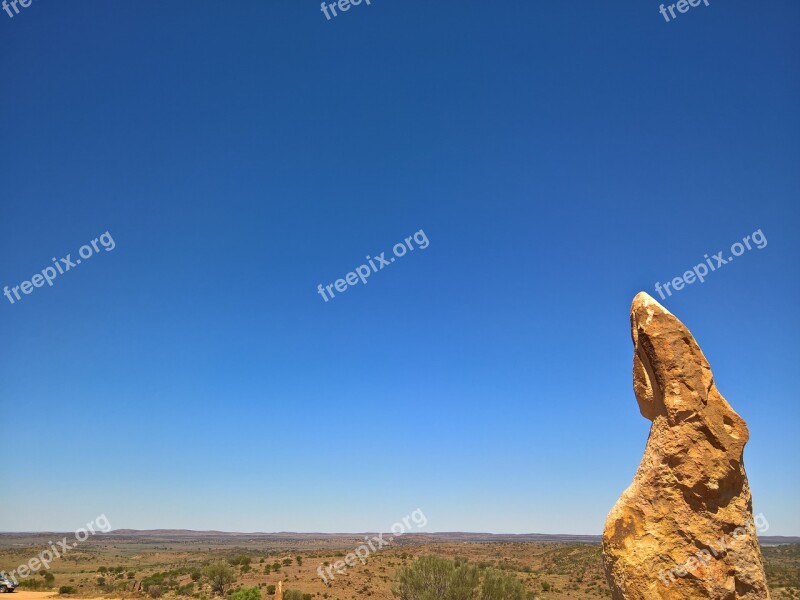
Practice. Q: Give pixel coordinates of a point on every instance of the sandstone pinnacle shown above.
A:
(684, 528)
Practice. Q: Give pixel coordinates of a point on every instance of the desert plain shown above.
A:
(170, 564)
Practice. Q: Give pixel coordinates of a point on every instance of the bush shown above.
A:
(66, 589)
(271, 589)
(434, 577)
(499, 586)
(154, 591)
(295, 595)
(220, 576)
(246, 593)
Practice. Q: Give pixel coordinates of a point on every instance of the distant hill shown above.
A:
(185, 536)
(454, 536)
(442, 537)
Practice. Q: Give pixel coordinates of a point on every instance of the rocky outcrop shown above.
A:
(684, 528)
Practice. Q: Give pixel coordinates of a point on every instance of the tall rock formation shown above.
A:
(684, 528)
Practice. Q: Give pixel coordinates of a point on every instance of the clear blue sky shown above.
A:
(560, 158)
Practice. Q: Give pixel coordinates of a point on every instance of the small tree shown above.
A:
(220, 576)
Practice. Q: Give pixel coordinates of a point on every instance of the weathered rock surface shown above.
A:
(684, 528)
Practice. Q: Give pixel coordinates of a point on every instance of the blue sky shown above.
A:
(559, 157)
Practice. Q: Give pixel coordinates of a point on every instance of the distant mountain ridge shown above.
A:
(186, 535)
(443, 536)
(449, 535)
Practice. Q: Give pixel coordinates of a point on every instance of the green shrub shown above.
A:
(499, 586)
(434, 577)
(246, 593)
(66, 589)
(437, 578)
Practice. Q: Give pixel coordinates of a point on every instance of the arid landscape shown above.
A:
(171, 564)
(391, 300)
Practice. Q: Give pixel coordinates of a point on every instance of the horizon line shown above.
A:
(162, 530)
